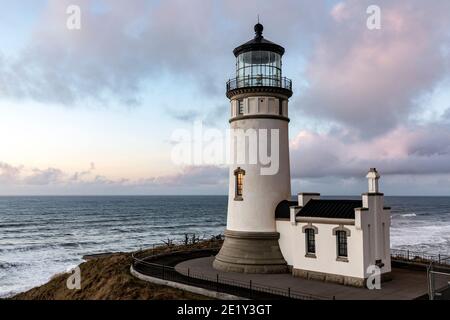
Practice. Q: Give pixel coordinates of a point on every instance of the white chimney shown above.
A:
(373, 176)
(303, 198)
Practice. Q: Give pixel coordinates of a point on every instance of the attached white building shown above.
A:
(331, 240)
(336, 240)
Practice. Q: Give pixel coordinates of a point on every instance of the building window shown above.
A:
(239, 183)
(280, 107)
(310, 241)
(341, 238)
(240, 106)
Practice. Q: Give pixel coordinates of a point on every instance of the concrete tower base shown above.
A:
(250, 252)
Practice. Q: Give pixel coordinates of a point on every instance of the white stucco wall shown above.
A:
(261, 193)
(293, 247)
(375, 223)
(287, 245)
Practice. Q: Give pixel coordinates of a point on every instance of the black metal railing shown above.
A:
(259, 81)
(218, 283)
(157, 262)
(419, 257)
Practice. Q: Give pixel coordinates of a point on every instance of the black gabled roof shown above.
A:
(337, 209)
(341, 209)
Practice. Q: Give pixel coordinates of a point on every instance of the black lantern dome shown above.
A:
(258, 64)
(259, 43)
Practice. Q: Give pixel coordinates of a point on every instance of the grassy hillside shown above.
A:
(108, 278)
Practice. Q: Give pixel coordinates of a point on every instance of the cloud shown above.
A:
(189, 178)
(197, 175)
(9, 173)
(216, 115)
(370, 80)
(415, 150)
(124, 50)
(115, 52)
(44, 177)
(184, 115)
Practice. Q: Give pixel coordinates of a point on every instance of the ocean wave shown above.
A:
(27, 248)
(407, 215)
(10, 265)
(58, 231)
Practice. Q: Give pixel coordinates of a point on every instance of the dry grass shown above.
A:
(109, 278)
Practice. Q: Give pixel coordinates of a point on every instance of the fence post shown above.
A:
(407, 253)
(439, 258)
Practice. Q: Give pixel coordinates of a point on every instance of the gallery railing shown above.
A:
(259, 81)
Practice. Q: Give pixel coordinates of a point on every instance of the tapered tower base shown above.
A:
(250, 252)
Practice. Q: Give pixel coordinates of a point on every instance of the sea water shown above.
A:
(42, 236)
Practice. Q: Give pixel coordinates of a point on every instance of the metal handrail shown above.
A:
(259, 81)
(288, 293)
(396, 255)
(416, 256)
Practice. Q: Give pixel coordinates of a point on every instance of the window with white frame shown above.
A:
(310, 237)
(341, 242)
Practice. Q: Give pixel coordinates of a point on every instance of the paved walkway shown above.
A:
(406, 284)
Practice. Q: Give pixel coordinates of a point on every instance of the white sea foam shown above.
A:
(431, 238)
(407, 215)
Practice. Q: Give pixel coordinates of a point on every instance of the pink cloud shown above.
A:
(340, 12)
(403, 151)
(369, 80)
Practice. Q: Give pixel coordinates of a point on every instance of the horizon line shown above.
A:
(193, 195)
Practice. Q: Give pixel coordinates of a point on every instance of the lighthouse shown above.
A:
(259, 97)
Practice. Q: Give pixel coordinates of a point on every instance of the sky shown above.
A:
(93, 111)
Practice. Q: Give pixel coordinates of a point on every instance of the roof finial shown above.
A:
(258, 29)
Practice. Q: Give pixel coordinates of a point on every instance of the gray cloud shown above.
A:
(213, 116)
(9, 173)
(415, 150)
(193, 176)
(125, 47)
(184, 115)
(44, 177)
(191, 179)
(370, 80)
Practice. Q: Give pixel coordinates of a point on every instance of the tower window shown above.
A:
(239, 179)
(240, 106)
(310, 241)
(341, 239)
(280, 107)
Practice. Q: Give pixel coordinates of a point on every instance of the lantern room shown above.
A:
(259, 64)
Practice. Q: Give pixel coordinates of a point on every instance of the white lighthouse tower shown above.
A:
(259, 108)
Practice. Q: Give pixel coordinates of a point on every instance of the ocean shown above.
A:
(42, 236)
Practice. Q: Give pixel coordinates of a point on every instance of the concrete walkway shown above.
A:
(406, 284)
